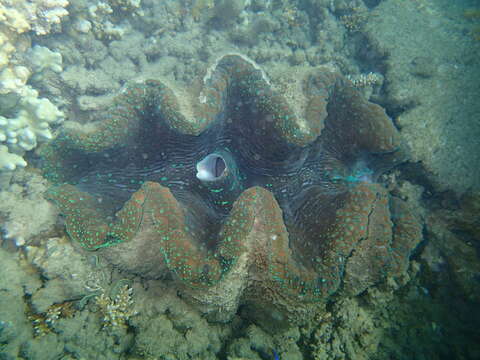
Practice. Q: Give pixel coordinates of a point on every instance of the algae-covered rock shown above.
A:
(432, 83)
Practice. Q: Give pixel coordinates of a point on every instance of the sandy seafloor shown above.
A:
(424, 66)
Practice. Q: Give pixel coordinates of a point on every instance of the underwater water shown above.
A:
(239, 179)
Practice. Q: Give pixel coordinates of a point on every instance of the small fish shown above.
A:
(275, 355)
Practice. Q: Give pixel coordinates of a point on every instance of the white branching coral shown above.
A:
(20, 16)
(9, 161)
(107, 19)
(117, 311)
(42, 58)
(30, 125)
(363, 80)
(24, 117)
(13, 79)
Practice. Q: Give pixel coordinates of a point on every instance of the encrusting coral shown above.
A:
(245, 194)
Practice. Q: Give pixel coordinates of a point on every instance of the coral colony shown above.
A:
(25, 118)
(244, 194)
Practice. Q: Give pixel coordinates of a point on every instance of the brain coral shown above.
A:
(243, 194)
